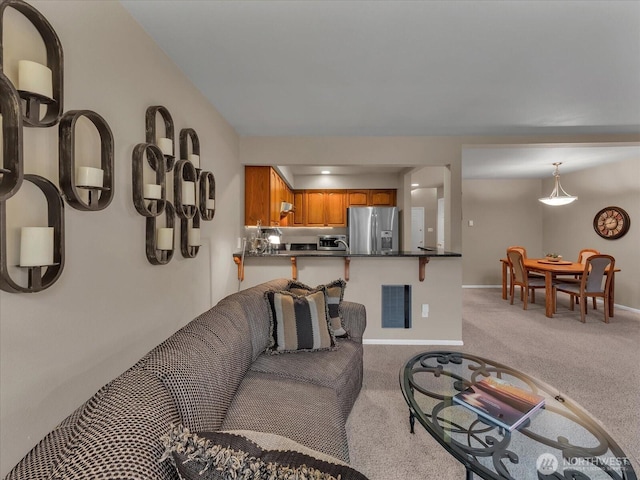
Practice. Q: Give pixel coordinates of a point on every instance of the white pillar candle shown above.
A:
(165, 145)
(165, 239)
(34, 77)
(211, 203)
(195, 159)
(188, 193)
(36, 246)
(193, 237)
(89, 177)
(152, 191)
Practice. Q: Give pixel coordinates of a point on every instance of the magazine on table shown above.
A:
(500, 402)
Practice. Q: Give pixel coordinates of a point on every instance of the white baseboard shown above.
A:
(481, 286)
(621, 307)
(400, 341)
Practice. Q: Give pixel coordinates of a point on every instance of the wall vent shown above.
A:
(396, 306)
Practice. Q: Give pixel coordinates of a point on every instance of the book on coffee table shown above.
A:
(499, 402)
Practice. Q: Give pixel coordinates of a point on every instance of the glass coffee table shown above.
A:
(559, 441)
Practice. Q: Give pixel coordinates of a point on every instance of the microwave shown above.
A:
(332, 242)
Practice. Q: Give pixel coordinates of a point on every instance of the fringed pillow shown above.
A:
(334, 293)
(245, 455)
(298, 322)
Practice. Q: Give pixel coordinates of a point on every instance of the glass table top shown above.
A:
(559, 441)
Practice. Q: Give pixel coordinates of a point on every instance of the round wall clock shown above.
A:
(611, 222)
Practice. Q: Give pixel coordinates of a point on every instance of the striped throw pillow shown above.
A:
(298, 322)
(334, 292)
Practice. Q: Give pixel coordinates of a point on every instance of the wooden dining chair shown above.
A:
(595, 282)
(519, 277)
(582, 258)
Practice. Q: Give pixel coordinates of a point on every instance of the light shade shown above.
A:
(558, 195)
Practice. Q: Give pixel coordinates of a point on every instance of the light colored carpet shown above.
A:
(595, 364)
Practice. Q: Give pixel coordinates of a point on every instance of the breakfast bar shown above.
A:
(423, 257)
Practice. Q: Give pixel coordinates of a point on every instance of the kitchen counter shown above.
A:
(423, 257)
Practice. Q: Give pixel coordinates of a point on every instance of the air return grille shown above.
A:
(396, 306)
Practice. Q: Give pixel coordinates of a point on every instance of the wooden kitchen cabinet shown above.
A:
(296, 219)
(335, 209)
(382, 198)
(325, 208)
(371, 198)
(264, 191)
(357, 198)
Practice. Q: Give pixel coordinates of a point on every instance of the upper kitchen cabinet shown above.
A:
(264, 192)
(325, 208)
(357, 198)
(371, 198)
(297, 218)
(382, 198)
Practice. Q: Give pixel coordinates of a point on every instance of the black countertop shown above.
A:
(435, 253)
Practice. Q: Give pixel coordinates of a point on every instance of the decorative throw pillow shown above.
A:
(334, 293)
(245, 455)
(298, 322)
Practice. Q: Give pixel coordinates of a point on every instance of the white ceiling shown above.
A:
(360, 67)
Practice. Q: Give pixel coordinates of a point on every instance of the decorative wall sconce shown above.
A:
(184, 187)
(190, 236)
(207, 196)
(42, 85)
(165, 142)
(159, 241)
(98, 182)
(153, 193)
(194, 156)
(193, 189)
(39, 84)
(11, 171)
(41, 248)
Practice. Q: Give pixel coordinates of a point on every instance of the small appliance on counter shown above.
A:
(332, 242)
(373, 230)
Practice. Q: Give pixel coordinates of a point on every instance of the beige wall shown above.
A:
(110, 305)
(568, 230)
(443, 326)
(506, 212)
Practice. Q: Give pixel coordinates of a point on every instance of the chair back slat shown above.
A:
(594, 272)
(586, 253)
(517, 264)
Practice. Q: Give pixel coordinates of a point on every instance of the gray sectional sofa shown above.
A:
(211, 375)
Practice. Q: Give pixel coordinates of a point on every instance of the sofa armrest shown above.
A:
(354, 317)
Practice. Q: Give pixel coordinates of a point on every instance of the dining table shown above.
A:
(551, 269)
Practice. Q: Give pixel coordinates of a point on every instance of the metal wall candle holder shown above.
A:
(207, 192)
(155, 206)
(184, 171)
(11, 171)
(99, 197)
(185, 135)
(151, 134)
(55, 61)
(188, 251)
(155, 256)
(37, 281)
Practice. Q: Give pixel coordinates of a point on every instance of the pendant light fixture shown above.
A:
(558, 195)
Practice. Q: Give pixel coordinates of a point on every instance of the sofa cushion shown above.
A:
(116, 435)
(298, 322)
(334, 293)
(256, 312)
(307, 413)
(248, 455)
(339, 369)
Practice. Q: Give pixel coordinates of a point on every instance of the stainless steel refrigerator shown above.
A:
(373, 230)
